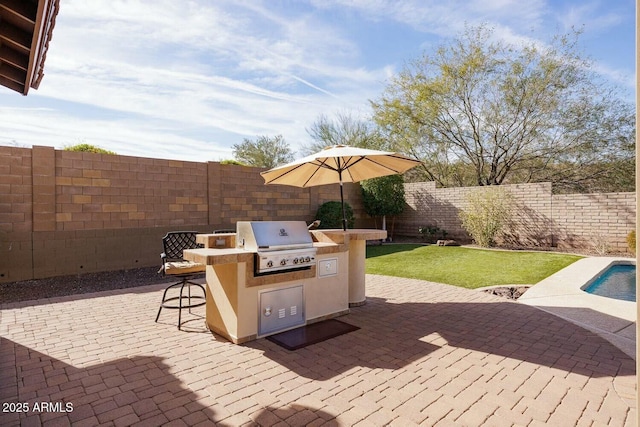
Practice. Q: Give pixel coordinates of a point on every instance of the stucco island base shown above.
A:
(233, 290)
(356, 239)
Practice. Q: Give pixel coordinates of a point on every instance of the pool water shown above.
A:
(617, 281)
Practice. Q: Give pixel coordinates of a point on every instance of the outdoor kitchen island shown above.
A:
(357, 244)
(243, 303)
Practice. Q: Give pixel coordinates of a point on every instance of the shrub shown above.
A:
(88, 148)
(631, 241)
(486, 214)
(600, 243)
(232, 162)
(330, 215)
(428, 232)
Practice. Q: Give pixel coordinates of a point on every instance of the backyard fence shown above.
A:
(64, 212)
(598, 222)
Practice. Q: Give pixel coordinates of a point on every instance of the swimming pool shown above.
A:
(616, 281)
(563, 294)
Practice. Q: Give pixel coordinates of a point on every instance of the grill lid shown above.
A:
(272, 235)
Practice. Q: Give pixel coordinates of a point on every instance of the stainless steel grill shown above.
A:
(278, 245)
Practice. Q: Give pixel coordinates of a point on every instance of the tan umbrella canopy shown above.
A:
(338, 164)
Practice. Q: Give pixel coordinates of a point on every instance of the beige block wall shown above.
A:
(16, 190)
(101, 191)
(431, 206)
(531, 223)
(587, 220)
(16, 213)
(541, 219)
(65, 212)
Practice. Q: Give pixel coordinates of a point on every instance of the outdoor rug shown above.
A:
(311, 334)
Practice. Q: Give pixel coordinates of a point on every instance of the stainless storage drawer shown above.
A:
(280, 309)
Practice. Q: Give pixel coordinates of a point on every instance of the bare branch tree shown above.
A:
(343, 130)
(479, 111)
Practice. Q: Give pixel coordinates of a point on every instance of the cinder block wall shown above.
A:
(101, 191)
(65, 212)
(540, 218)
(585, 220)
(16, 213)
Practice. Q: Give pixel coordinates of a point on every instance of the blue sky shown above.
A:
(188, 79)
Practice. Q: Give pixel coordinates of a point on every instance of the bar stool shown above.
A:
(174, 265)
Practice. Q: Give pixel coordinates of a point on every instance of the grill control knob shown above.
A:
(269, 263)
(307, 259)
(296, 260)
(283, 262)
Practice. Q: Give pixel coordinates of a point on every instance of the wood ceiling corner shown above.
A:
(25, 32)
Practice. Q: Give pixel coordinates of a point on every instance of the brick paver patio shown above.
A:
(426, 354)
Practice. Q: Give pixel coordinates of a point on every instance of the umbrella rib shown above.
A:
(372, 160)
(346, 168)
(385, 166)
(324, 164)
(283, 174)
(321, 164)
(311, 176)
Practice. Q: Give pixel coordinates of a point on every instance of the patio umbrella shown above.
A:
(339, 164)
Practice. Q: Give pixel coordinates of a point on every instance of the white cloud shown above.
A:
(445, 18)
(588, 15)
(40, 126)
(194, 77)
(225, 73)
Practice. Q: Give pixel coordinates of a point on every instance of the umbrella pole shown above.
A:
(344, 215)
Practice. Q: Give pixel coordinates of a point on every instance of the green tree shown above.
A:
(383, 196)
(344, 129)
(264, 152)
(480, 111)
(87, 148)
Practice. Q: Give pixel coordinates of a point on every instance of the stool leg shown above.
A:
(180, 306)
(164, 295)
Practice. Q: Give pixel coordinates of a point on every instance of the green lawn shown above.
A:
(466, 267)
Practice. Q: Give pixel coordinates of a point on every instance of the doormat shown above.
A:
(311, 334)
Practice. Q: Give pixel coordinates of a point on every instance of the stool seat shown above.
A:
(183, 267)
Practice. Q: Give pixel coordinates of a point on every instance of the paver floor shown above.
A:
(426, 354)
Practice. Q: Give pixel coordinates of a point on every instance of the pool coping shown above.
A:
(561, 294)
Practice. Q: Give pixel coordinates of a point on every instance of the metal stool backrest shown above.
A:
(177, 241)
